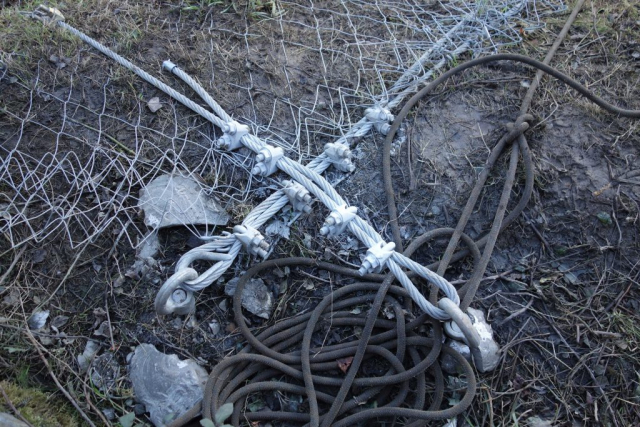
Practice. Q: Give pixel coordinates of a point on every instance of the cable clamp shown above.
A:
(252, 240)
(377, 256)
(267, 160)
(47, 15)
(232, 138)
(337, 220)
(299, 196)
(340, 156)
(380, 117)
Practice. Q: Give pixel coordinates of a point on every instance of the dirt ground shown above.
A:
(562, 290)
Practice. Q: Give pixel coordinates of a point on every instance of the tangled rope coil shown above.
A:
(409, 356)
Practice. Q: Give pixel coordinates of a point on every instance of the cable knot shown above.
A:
(520, 125)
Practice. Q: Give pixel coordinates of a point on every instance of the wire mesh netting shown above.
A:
(74, 156)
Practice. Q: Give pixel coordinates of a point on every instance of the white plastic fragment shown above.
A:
(337, 220)
(377, 256)
(299, 196)
(232, 138)
(252, 240)
(267, 160)
(154, 104)
(340, 156)
(380, 117)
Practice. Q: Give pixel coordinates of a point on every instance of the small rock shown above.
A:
(38, 256)
(256, 298)
(448, 363)
(164, 384)
(214, 326)
(605, 218)
(139, 409)
(103, 330)
(60, 62)
(538, 422)
(109, 413)
(105, 372)
(570, 278)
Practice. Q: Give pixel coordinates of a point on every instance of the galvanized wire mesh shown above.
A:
(300, 73)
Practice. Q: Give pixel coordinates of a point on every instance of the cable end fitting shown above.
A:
(168, 66)
(47, 15)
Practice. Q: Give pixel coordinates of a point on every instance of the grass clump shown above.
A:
(39, 408)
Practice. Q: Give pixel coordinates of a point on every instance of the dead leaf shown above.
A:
(154, 104)
(38, 320)
(59, 321)
(103, 330)
(344, 364)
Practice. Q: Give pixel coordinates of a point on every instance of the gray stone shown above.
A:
(105, 372)
(256, 297)
(172, 200)
(164, 384)
(8, 420)
(449, 363)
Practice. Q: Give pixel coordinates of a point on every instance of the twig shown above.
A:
(55, 379)
(87, 396)
(13, 264)
(590, 372)
(516, 313)
(537, 232)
